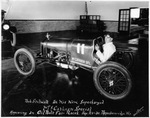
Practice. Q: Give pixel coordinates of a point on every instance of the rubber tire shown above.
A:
(131, 59)
(28, 53)
(120, 68)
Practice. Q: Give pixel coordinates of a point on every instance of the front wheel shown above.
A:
(24, 61)
(112, 80)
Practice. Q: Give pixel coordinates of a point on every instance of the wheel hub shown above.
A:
(21, 63)
(111, 83)
(24, 63)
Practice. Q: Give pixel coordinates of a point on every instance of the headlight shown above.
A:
(6, 27)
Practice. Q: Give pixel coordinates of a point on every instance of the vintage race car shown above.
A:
(111, 79)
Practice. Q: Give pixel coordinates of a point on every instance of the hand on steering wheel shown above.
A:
(96, 47)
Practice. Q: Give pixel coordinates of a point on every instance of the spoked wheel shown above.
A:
(24, 61)
(112, 80)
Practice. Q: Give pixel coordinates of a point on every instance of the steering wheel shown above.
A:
(100, 42)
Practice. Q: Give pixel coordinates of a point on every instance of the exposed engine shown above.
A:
(61, 58)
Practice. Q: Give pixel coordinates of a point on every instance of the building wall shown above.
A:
(35, 26)
(31, 16)
(44, 10)
(109, 10)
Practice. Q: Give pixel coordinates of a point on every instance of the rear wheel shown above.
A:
(124, 58)
(24, 61)
(112, 80)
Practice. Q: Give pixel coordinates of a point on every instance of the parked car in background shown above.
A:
(8, 31)
(8, 36)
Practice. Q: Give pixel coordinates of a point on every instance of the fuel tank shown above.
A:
(60, 44)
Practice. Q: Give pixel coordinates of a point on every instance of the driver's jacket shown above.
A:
(108, 50)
